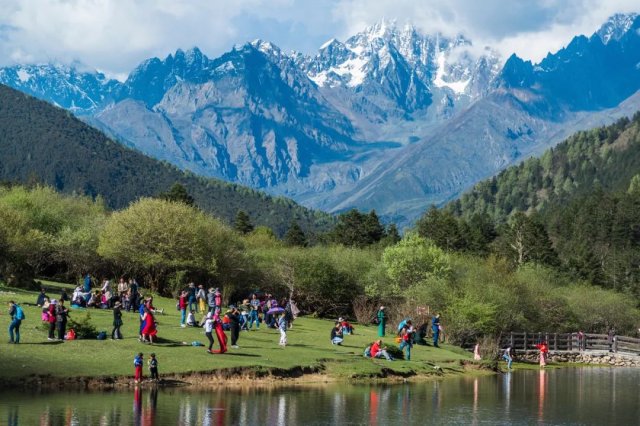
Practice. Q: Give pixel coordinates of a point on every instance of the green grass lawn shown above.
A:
(308, 346)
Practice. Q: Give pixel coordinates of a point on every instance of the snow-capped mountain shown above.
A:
(391, 118)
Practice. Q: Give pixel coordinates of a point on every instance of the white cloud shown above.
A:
(115, 35)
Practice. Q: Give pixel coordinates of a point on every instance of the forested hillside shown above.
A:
(42, 143)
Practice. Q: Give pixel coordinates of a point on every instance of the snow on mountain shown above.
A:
(616, 26)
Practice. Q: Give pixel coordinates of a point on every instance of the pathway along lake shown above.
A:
(565, 396)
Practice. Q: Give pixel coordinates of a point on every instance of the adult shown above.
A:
(208, 330)
(282, 326)
(476, 352)
(106, 286)
(51, 319)
(222, 338)
(17, 315)
(182, 306)
(133, 296)
(254, 305)
(507, 357)
(123, 286)
(201, 297)
(211, 300)
(41, 297)
(87, 283)
(117, 321)
(406, 341)
(149, 331)
(234, 326)
(544, 350)
(379, 351)
(435, 329)
(192, 291)
(337, 336)
(382, 321)
(62, 314)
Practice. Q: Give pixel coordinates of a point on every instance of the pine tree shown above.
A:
(243, 223)
(295, 236)
(178, 194)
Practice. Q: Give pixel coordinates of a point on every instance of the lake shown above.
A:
(568, 396)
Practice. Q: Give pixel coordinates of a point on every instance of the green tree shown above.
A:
(160, 238)
(177, 193)
(524, 240)
(355, 229)
(295, 236)
(243, 223)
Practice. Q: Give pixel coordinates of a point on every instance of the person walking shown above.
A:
(153, 367)
(61, 319)
(282, 326)
(117, 321)
(17, 315)
(435, 329)
(382, 321)
(234, 326)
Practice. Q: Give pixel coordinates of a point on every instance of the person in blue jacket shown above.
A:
(17, 315)
(435, 328)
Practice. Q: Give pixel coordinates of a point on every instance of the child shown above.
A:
(153, 367)
(138, 362)
(191, 319)
(282, 326)
(507, 357)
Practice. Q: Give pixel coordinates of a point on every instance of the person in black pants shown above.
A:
(61, 319)
(52, 318)
(234, 326)
(117, 321)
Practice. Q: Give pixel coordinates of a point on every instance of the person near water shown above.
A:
(282, 326)
(234, 326)
(208, 330)
(379, 351)
(182, 306)
(337, 335)
(254, 304)
(476, 352)
(544, 350)
(117, 321)
(153, 367)
(138, 362)
(406, 341)
(435, 329)
(201, 297)
(17, 315)
(62, 314)
(507, 357)
(382, 321)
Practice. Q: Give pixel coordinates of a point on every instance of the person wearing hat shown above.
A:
(117, 321)
(201, 297)
(382, 321)
(52, 319)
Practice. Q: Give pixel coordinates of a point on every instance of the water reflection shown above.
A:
(589, 396)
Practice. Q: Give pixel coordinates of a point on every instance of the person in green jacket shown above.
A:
(382, 321)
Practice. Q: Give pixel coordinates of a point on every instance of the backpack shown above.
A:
(19, 313)
(367, 352)
(71, 335)
(102, 335)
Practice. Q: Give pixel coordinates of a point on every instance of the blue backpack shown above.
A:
(19, 313)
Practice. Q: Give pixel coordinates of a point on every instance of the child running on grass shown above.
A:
(153, 367)
(138, 362)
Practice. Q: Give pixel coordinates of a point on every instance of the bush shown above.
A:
(83, 327)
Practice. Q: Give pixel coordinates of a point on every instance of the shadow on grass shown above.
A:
(55, 342)
(239, 354)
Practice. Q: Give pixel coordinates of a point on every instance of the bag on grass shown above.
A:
(71, 335)
(102, 335)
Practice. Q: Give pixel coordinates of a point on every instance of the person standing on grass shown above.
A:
(382, 321)
(201, 297)
(182, 305)
(211, 300)
(61, 319)
(138, 362)
(153, 367)
(476, 352)
(282, 326)
(253, 311)
(117, 321)
(208, 330)
(435, 329)
(406, 341)
(149, 331)
(192, 299)
(17, 315)
(234, 326)
(51, 319)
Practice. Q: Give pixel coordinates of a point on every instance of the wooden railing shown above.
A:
(568, 342)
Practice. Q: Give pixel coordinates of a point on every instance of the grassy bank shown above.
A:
(309, 349)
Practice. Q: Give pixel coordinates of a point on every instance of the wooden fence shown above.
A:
(571, 342)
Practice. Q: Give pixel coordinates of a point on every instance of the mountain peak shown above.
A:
(616, 26)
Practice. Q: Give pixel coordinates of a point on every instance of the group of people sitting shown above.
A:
(405, 337)
(126, 292)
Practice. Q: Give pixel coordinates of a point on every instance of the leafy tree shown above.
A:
(160, 238)
(295, 236)
(526, 240)
(355, 229)
(178, 194)
(242, 223)
(442, 228)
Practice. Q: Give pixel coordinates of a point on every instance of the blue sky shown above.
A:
(115, 35)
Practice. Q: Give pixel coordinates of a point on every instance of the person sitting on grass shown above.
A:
(336, 334)
(347, 328)
(41, 297)
(191, 319)
(379, 351)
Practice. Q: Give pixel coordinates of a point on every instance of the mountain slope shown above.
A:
(41, 141)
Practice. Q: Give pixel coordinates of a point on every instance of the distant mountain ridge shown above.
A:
(390, 119)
